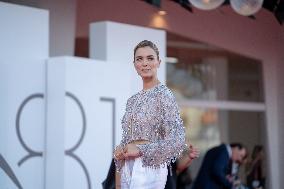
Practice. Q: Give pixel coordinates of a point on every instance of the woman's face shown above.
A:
(146, 62)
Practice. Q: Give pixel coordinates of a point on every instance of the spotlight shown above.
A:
(206, 4)
(246, 7)
(162, 13)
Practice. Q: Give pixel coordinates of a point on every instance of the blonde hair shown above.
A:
(147, 43)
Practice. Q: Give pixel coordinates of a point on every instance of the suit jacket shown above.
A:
(213, 171)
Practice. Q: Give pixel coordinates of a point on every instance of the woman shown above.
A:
(153, 133)
(255, 177)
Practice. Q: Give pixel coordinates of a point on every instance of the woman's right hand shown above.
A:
(119, 153)
(131, 151)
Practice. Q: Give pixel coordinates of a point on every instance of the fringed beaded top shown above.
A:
(153, 115)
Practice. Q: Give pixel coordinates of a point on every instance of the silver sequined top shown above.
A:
(153, 115)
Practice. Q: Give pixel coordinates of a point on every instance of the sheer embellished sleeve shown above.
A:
(172, 143)
(123, 142)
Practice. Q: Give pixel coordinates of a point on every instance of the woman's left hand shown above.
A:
(131, 151)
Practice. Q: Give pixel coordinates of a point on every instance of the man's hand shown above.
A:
(187, 159)
(236, 183)
(193, 152)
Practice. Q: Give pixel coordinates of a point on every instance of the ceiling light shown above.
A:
(206, 4)
(246, 7)
(171, 60)
(162, 13)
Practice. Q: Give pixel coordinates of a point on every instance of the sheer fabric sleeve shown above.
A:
(173, 144)
(123, 142)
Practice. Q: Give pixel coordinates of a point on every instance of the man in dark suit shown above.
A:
(215, 166)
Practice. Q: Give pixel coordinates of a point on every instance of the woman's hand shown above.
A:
(131, 151)
(119, 153)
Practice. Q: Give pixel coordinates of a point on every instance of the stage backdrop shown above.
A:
(60, 117)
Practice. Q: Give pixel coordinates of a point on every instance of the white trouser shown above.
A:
(134, 176)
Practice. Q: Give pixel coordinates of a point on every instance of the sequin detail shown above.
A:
(153, 115)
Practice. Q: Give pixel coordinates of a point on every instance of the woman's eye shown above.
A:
(150, 59)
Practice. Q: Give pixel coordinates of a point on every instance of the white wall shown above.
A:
(80, 120)
(113, 41)
(61, 115)
(24, 48)
(281, 117)
(62, 26)
(22, 123)
(62, 23)
(24, 32)
(271, 87)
